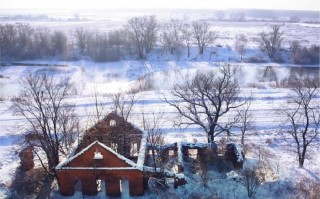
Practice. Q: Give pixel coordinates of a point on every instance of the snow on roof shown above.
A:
(142, 150)
(66, 161)
(141, 155)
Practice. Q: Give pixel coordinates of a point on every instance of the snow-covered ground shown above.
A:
(162, 72)
(111, 77)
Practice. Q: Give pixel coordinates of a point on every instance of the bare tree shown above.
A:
(143, 30)
(43, 42)
(8, 35)
(122, 104)
(294, 19)
(294, 46)
(220, 15)
(52, 121)
(203, 35)
(187, 36)
(153, 126)
(240, 45)
(24, 41)
(59, 44)
(82, 36)
(238, 16)
(99, 109)
(245, 119)
(252, 179)
(172, 36)
(271, 42)
(206, 98)
(302, 113)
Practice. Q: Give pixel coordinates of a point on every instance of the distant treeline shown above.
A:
(136, 39)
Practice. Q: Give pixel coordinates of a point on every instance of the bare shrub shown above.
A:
(256, 59)
(307, 55)
(202, 166)
(35, 183)
(256, 85)
(252, 179)
(157, 185)
(307, 188)
(145, 83)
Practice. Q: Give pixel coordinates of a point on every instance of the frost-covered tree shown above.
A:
(155, 136)
(123, 104)
(172, 36)
(187, 36)
(206, 98)
(52, 125)
(143, 30)
(81, 36)
(240, 45)
(59, 44)
(302, 113)
(270, 42)
(202, 34)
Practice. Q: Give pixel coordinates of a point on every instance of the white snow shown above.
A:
(62, 164)
(164, 71)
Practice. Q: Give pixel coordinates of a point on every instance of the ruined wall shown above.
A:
(87, 159)
(122, 134)
(67, 178)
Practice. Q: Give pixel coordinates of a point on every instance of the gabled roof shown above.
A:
(126, 160)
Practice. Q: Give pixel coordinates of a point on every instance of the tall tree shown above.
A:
(59, 44)
(207, 97)
(302, 113)
(172, 36)
(187, 36)
(271, 42)
(52, 122)
(202, 34)
(143, 30)
(82, 36)
(240, 45)
(155, 136)
(122, 104)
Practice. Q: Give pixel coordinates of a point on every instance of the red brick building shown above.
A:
(99, 161)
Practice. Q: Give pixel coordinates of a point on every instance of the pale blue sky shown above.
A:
(161, 4)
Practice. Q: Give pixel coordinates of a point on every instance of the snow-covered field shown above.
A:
(104, 78)
(111, 77)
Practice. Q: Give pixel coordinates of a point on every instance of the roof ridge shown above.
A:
(68, 160)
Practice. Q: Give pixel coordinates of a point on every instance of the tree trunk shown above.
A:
(201, 49)
(188, 50)
(302, 156)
